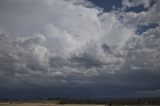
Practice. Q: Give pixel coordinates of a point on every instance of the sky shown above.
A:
(79, 48)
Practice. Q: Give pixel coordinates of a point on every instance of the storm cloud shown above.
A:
(76, 48)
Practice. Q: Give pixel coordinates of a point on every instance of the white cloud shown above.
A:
(146, 51)
(74, 44)
(145, 17)
(133, 3)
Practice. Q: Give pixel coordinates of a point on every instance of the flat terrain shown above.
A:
(54, 104)
(42, 104)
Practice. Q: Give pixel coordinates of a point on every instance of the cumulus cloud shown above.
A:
(64, 42)
(133, 3)
(144, 17)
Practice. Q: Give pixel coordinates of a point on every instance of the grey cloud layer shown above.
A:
(144, 17)
(70, 43)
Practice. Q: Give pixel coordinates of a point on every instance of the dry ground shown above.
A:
(42, 104)
(54, 104)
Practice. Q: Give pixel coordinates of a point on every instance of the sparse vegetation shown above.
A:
(81, 102)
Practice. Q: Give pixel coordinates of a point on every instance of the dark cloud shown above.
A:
(78, 53)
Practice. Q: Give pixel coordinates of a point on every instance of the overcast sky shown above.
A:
(79, 48)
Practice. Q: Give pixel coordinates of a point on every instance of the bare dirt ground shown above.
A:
(54, 104)
(43, 104)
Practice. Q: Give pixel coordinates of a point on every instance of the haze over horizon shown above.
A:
(79, 48)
